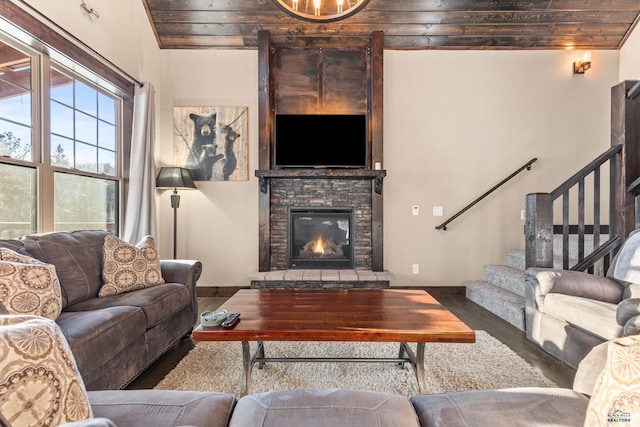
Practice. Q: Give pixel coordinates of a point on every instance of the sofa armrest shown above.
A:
(94, 422)
(181, 271)
(186, 272)
(632, 326)
(575, 283)
(628, 315)
(168, 408)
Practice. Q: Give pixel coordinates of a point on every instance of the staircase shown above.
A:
(502, 291)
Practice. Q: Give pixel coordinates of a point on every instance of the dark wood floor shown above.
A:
(472, 314)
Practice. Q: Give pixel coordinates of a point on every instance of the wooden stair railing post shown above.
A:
(625, 110)
(538, 230)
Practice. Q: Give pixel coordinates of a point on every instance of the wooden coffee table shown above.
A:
(377, 315)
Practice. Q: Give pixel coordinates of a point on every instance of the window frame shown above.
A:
(54, 50)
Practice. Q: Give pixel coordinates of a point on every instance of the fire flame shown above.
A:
(318, 247)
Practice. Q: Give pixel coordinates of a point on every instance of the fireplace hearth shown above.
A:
(320, 238)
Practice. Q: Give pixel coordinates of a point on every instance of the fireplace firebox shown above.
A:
(321, 238)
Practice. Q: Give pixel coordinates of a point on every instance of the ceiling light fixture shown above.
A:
(321, 10)
(88, 11)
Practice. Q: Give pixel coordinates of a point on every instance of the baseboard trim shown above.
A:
(435, 291)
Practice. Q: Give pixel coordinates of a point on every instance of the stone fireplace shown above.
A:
(321, 204)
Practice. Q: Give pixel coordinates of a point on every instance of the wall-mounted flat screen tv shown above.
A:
(320, 141)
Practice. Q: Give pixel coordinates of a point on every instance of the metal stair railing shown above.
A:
(526, 166)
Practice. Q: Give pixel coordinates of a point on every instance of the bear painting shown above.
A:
(204, 134)
(209, 142)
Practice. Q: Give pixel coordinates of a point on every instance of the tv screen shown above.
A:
(320, 140)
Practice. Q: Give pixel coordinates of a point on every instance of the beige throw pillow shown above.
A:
(39, 381)
(616, 396)
(126, 267)
(29, 286)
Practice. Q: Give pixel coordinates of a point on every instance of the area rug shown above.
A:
(486, 364)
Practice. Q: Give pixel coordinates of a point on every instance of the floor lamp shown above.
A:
(174, 177)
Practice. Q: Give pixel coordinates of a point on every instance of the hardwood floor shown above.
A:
(472, 314)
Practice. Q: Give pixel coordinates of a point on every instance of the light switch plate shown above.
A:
(438, 211)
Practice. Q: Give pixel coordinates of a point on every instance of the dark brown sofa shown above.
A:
(114, 338)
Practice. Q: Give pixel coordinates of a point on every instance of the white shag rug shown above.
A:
(486, 364)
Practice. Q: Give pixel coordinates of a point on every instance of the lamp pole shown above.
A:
(175, 204)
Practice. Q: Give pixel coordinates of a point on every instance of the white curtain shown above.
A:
(140, 218)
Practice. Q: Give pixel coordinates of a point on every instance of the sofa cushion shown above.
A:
(39, 382)
(597, 317)
(158, 303)
(323, 408)
(127, 267)
(616, 396)
(627, 261)
(28, 286)
(526, 406)
(95, 336)
(77, 256)
(152, 408)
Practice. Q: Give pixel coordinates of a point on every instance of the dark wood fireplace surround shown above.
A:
(304, 75)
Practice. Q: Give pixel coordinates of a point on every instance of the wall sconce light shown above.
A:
(579, 67)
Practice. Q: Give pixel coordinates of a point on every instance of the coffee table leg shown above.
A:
(417, 362)
(246, 368)
(260, 354)
(420, 367)
(402, 355)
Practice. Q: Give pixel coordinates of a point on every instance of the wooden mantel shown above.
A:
(376, 175)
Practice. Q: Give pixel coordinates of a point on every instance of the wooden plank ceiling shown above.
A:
(407, 24)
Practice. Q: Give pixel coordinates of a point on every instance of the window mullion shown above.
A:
(43, 124)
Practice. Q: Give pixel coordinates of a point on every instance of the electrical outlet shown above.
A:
(415, 210)
(416, 268)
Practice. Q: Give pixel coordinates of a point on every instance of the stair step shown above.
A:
(508, 278)
(516, 258)
(504, 304)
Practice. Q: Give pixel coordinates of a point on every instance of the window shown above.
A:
(60, 143)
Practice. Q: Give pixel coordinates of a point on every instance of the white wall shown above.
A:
(122, 34)
(218, 224)
(630, 57)
(456, 123)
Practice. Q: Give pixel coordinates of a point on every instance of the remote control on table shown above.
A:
(231, 321)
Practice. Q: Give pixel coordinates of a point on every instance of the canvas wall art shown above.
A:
(212, 142)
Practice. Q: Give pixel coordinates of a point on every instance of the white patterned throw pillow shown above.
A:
(40, 385)
(616, 397)
(126, 267)
(29, 286)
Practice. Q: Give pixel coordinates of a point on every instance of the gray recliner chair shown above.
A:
(570, 312)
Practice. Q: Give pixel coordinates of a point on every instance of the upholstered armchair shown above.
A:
(569, 312)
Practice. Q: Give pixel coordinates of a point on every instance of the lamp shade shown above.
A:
(174, 177)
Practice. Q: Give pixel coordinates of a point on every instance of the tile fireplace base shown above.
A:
(321, 279)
